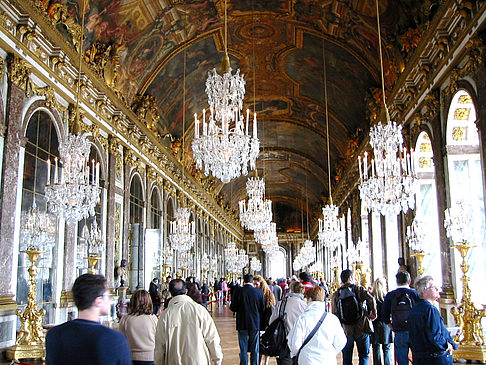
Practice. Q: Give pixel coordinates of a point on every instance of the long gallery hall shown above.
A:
(209, 139)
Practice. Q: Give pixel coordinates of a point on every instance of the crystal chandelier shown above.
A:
(330, 227)
(231, 253)
(416, 235)
(268, 238)
(182, 234)
(258, 212)
(37, 229)
(72, 194)
(255, 264)
(392, 184)
(225, 146)
(94, 238)
(242, 260)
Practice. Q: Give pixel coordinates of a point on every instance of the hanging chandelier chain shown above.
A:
(225, 28)
(381, 61)
(327, 119)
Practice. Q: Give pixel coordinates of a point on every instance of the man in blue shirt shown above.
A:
(431, 342)
(84, 340)
(248, 303)
(396, 307)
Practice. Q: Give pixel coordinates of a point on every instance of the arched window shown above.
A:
(277, 264)
(155, 211)
(426, 206)
(42, 144)
(136, 233)
(466, 185)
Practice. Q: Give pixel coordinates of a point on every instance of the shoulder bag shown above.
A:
(295, 359)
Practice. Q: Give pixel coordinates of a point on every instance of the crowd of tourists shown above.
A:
(294, 320)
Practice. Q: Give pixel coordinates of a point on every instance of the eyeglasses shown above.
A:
(433, 287)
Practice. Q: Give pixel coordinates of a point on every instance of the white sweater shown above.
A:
(325, 344)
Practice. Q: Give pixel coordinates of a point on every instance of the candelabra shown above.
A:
(31, 339)
(94, 238)
(335, 281)
(416, 238)
(467, 316)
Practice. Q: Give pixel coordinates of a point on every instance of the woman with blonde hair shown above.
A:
(260, 283)
(139, 327)
(382, 333)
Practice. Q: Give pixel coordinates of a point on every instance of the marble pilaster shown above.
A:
(10, 186)
(438, 146)
(110, 223)
(69, 269)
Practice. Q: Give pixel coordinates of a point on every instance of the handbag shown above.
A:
(295, 359)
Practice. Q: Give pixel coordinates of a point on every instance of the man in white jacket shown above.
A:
(326, 342)
(186, 333)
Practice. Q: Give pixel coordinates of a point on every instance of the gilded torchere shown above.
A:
(468, 317)
(30, 342)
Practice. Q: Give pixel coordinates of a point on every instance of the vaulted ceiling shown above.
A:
(278, 46)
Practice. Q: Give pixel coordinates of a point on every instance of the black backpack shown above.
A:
(273, 341)
(349, 309)
(400, 306)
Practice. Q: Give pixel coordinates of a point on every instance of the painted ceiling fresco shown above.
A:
(277, 44)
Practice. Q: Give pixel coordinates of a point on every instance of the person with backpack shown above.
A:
(356, 308)
(396, 306)
(317, 336)
(281, 323)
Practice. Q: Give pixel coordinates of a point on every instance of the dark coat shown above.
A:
(248, 303)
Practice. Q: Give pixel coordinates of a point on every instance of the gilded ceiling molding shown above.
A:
(18, 71)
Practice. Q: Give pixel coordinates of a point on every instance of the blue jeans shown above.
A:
(377, 354)
(402, 345)
(444, 359)
(249, 341)
(363, 345)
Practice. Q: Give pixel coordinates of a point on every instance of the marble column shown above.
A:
(69, 269)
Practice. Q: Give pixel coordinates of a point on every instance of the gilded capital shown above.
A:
(18, 71)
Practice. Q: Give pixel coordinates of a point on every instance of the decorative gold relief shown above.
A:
(60, 14)
(432, 106)
(459, 133)
(465, 99)
(426, 147)
(462, 113)
(425, 162)
(146, 110)
(50, 97)
(18, 71)
(452, 87)
(2, 68)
